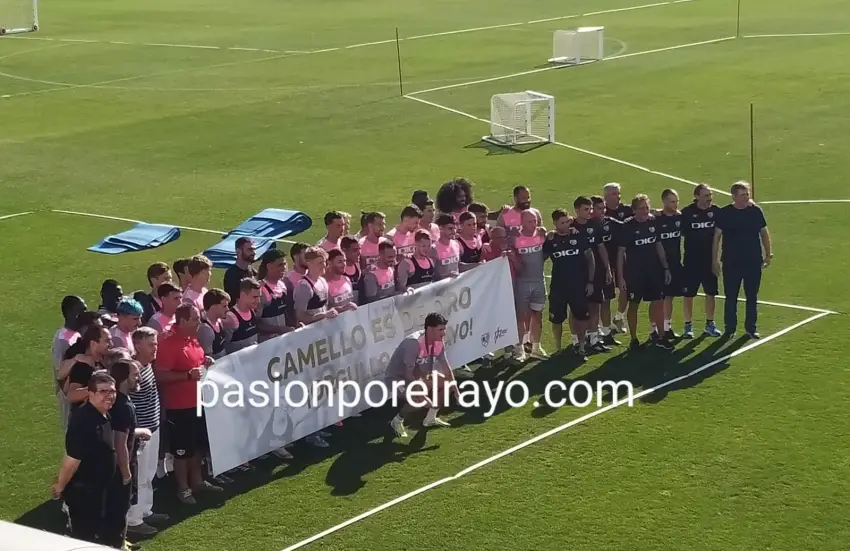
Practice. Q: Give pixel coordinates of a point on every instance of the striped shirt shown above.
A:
(146, 400)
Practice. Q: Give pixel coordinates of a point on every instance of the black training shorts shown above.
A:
(187, 433)
(696, 276)
(645, 284)
(572, 296)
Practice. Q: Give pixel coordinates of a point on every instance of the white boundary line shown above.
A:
(361, 45)
(187, 228)
(574, 148)
(791, 35)
(549, 433)
(553, 67)
(782, 305)
(7, 216)
(803, 201)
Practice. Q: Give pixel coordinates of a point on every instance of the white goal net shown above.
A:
(18, 16)
(521, 118)
(583, 45)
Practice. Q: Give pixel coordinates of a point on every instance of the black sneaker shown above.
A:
(664, 344)
(729, 334)
(670, 335)
(634, 345)
(599, 347)
(527, 347)
(609, 340)
(754, 335)
(579, 352)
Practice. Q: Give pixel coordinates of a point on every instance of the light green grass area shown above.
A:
(750, 454)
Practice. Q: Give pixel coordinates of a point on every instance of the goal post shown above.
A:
(521, 118)
(18, 16)
(582, 45)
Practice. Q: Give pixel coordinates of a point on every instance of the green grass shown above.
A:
(748, 455)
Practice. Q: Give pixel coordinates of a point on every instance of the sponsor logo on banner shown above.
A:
(283, 398)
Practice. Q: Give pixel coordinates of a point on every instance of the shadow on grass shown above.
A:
(365, 444)
(493, 149)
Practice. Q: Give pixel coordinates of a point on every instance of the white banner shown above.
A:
(243, 419)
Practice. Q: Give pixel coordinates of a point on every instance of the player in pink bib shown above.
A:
(340, 290)
(511, 217)
(335, 227)
(446, 251)
(200, 269)
(375, 225)
(380, 282)
(403, 235)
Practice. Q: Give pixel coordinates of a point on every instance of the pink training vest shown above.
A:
(512, 220)
(68, 335)
(369, 253)
(329, 245)
(294, 277)
(424, 354)
(385, 277)
(340, 291)
(403, 241)
(278, 289)
(163, 321)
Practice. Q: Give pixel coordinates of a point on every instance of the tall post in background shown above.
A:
(738, 24)
(398, 53)
(752, 151)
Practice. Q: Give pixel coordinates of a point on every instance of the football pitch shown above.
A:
(201, 114)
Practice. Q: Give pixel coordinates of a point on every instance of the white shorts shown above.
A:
(530, 296)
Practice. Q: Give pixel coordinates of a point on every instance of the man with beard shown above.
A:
(351, 249)
(379, 283)
(698, 221)
(340, 290)
(403, 234)
(426, 205)
(616, 210)
(334, 230)
(511, 217)
(233, 276)
(454, 197)
(375, 224)
(111, 294)
(610, 239)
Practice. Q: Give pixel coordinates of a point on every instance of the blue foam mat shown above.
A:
(264, 227)
(142, 236)
(223, 253)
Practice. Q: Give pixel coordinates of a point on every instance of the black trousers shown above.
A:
(734, 274)
(99, 513)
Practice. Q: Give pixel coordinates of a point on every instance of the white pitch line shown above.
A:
(572, 147)
(364, 44)
(803, 201)
(187, 228)
(549, 433)
(15, 215)
(792, 35)
(552, 67)
(782, 305)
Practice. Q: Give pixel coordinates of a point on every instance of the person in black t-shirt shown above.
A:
(670, 228)
(742, 229)
(127, 437)
(644, 276)
(698, 220)
(616, 210)
(610, 239)
(572, 280)
(89, 465)
(95, 342)
(245, 256)
(593, 234)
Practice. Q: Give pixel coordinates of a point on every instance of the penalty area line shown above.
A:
(802, 201)
(549, 433)
(573, 147)
(132, 221)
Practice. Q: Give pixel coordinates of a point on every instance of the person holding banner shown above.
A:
(421, 358)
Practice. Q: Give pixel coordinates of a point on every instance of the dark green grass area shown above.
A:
(749, 454)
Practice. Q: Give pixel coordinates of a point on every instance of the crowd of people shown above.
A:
(126, 375)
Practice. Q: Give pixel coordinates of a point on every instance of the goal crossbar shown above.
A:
(521, 118)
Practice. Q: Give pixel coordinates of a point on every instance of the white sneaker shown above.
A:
(435, 422)
(518, 354)
(317, 441)
(282, 453)
(398, 427)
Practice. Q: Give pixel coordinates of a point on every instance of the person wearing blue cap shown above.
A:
(129, 312)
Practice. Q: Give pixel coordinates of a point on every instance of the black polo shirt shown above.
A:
(89, 439)
(741, 233)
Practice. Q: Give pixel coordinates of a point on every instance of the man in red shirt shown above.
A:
(180, 363)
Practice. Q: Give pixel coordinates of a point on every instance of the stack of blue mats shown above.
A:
(142, 236)
(264, 228)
